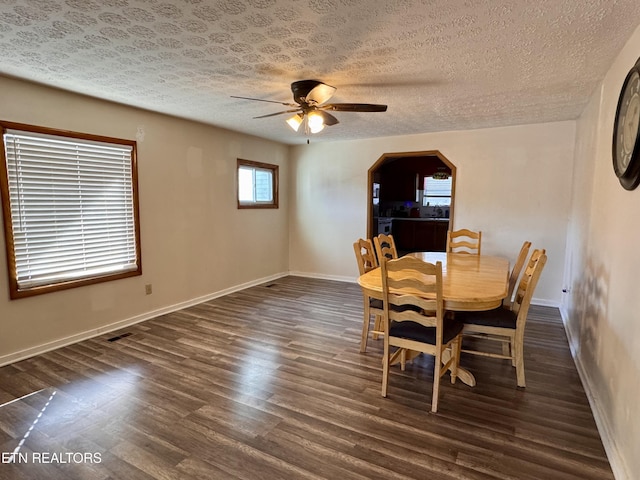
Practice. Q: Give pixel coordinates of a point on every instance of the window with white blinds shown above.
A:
(437, 191)
(73, 212)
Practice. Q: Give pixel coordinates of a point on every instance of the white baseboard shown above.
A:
(543, 302)
(63, 342)
(321, 276)
(618, 465)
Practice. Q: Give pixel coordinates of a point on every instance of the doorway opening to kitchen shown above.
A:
(412, 197)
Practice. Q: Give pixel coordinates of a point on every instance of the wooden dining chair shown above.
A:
(507, 325)
(515, 273)
(367, 261)
(416, 323)
(385, 247)
(464, 241)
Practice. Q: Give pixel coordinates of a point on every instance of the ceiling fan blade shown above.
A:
(320, 94)
(269, 101)
(327, 118)
(354, 107)
(279, 113)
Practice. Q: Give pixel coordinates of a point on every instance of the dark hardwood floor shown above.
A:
(268, 383)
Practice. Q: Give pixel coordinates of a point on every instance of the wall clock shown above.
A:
(626, 131)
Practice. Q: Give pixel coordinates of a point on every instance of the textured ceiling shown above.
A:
(438, 64)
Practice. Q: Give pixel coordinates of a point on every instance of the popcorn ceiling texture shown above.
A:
(438, 64)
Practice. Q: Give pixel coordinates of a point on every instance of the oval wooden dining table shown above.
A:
(469, 282)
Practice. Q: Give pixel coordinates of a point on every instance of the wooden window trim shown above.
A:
(275, 182)
(14, 290)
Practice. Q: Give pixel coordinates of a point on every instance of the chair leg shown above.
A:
(519, 360)
(385, 368)
(456, 346)
(506, 351)
(437, 361)
(377, 325)
(365, 325)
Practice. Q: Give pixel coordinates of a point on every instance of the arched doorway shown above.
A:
(408, 197)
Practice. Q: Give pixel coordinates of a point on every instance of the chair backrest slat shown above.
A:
(385, 247)
(527, 285)
(420, 284)
(464, 241)
(515, 272)
(365, 255)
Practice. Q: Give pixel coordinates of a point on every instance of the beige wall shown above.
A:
(602, 307)
(512, 183)
(195, 242)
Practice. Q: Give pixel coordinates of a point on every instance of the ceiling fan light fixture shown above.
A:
(310, 108)
(316, 122)
(440, 176)
(295, 122)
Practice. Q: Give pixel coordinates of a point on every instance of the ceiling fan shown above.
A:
(310, 108)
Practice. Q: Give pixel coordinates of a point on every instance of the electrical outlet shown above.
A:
(148, 289)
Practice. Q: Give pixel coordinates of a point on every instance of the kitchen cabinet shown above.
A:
(398, 186)
(413, 235)
(403, 234)
(424, 235)
(440, 236)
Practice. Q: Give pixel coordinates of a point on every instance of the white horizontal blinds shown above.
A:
(437, 191)
(435, 187)
(263, 185)
(72, 207)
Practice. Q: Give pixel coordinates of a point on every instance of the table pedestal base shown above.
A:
(464, 375)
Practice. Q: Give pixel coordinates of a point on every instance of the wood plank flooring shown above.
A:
(268, 383)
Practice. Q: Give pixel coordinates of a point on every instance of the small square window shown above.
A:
(257, 185)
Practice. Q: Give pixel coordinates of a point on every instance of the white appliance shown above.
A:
(384, 225)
